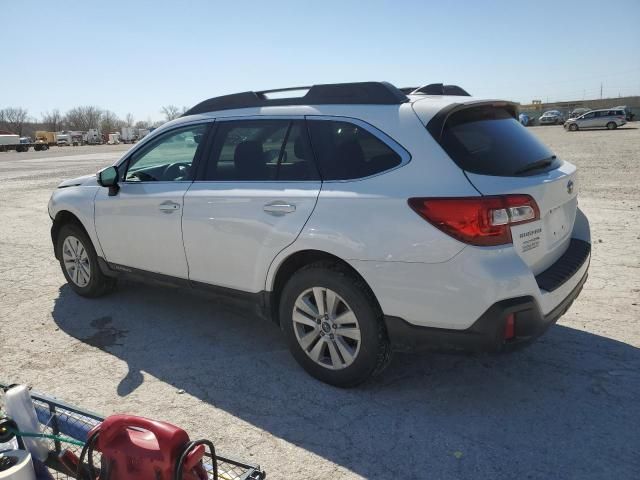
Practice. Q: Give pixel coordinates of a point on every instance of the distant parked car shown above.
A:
(526, 120)
(578, 112)
(627, 112)
(606, 118)
(552, 117)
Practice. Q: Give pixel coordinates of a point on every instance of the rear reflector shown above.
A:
(510, 327)
(482, 221)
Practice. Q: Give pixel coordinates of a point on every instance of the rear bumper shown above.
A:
(487, 332)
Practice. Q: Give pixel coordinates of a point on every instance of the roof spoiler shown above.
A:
(363, 93)
(435, 126)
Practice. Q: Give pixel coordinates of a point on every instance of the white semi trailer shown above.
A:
(10, 141)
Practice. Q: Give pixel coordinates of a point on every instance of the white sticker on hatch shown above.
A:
(530, 239)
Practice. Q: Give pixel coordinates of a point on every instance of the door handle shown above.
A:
(279, 208)
(169, 206)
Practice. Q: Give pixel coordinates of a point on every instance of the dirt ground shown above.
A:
(566, 407)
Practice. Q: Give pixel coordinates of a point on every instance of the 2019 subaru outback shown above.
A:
(360, 218)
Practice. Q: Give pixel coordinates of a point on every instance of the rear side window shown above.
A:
(261, 150)
(346, 151)
(489, 141)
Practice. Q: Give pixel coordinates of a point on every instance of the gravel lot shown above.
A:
(567, 407)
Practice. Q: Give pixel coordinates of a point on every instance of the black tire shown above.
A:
(374, 351)
(612, 125)
(99, 284)
(573, 127)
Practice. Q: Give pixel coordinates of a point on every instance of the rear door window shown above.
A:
(346, 151)
(490, 141)
(260, 150)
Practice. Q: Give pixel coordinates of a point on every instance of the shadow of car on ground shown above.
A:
(567, 404)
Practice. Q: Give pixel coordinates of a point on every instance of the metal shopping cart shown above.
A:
(65, 428)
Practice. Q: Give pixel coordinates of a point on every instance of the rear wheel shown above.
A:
(612, 125)
(79, 263)
(573, 127)
(333, 325)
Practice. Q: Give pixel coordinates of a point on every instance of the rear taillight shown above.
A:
(482, 221)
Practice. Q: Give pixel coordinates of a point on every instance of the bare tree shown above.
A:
(13, 119)
(143, 124)
(52, 120)
(170, 112)
(109, 122)
(129, 120)
(84, 118)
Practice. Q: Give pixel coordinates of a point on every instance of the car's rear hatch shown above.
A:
(500, 157)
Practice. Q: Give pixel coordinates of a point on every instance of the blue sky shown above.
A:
(135, 56)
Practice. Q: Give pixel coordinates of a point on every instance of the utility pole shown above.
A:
(600, 90)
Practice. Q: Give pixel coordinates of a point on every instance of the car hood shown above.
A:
(87, 180)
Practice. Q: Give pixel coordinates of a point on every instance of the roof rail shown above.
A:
(364, 93)
(440, 89)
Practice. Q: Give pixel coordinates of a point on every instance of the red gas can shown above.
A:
(137, 448)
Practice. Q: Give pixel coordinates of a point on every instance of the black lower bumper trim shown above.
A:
(565, 267)
(487, 333)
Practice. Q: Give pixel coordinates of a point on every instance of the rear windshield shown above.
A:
(489, 141)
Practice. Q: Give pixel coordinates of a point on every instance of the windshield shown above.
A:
(489, 141)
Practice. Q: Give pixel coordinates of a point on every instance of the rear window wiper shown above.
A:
(544, 163)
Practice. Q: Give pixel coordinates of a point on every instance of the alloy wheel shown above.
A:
(76, 261)
(326, 328)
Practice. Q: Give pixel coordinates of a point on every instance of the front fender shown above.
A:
(79, 201)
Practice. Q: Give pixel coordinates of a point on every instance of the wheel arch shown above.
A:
(294, 262)
(64, 217)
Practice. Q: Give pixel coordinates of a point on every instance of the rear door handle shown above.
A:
(169, 206)
(279, 208)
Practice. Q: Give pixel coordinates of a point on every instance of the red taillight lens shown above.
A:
(482, 221)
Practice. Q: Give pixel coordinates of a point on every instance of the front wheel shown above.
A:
(612, 125)
(333, 325)
(573, 127)
(79, 263)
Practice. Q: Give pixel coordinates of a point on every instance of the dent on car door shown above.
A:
(140, 226)
(258, 190)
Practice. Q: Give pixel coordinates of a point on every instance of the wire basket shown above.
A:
(62, 420)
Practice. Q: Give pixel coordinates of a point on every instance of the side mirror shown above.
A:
(108, 177)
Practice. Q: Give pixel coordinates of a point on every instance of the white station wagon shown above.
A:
(360, 217)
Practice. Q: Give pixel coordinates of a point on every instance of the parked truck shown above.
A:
(63, 139)
(10, 141)
(77, 138)
(94, 137)
(128, 135)
(46, 137)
